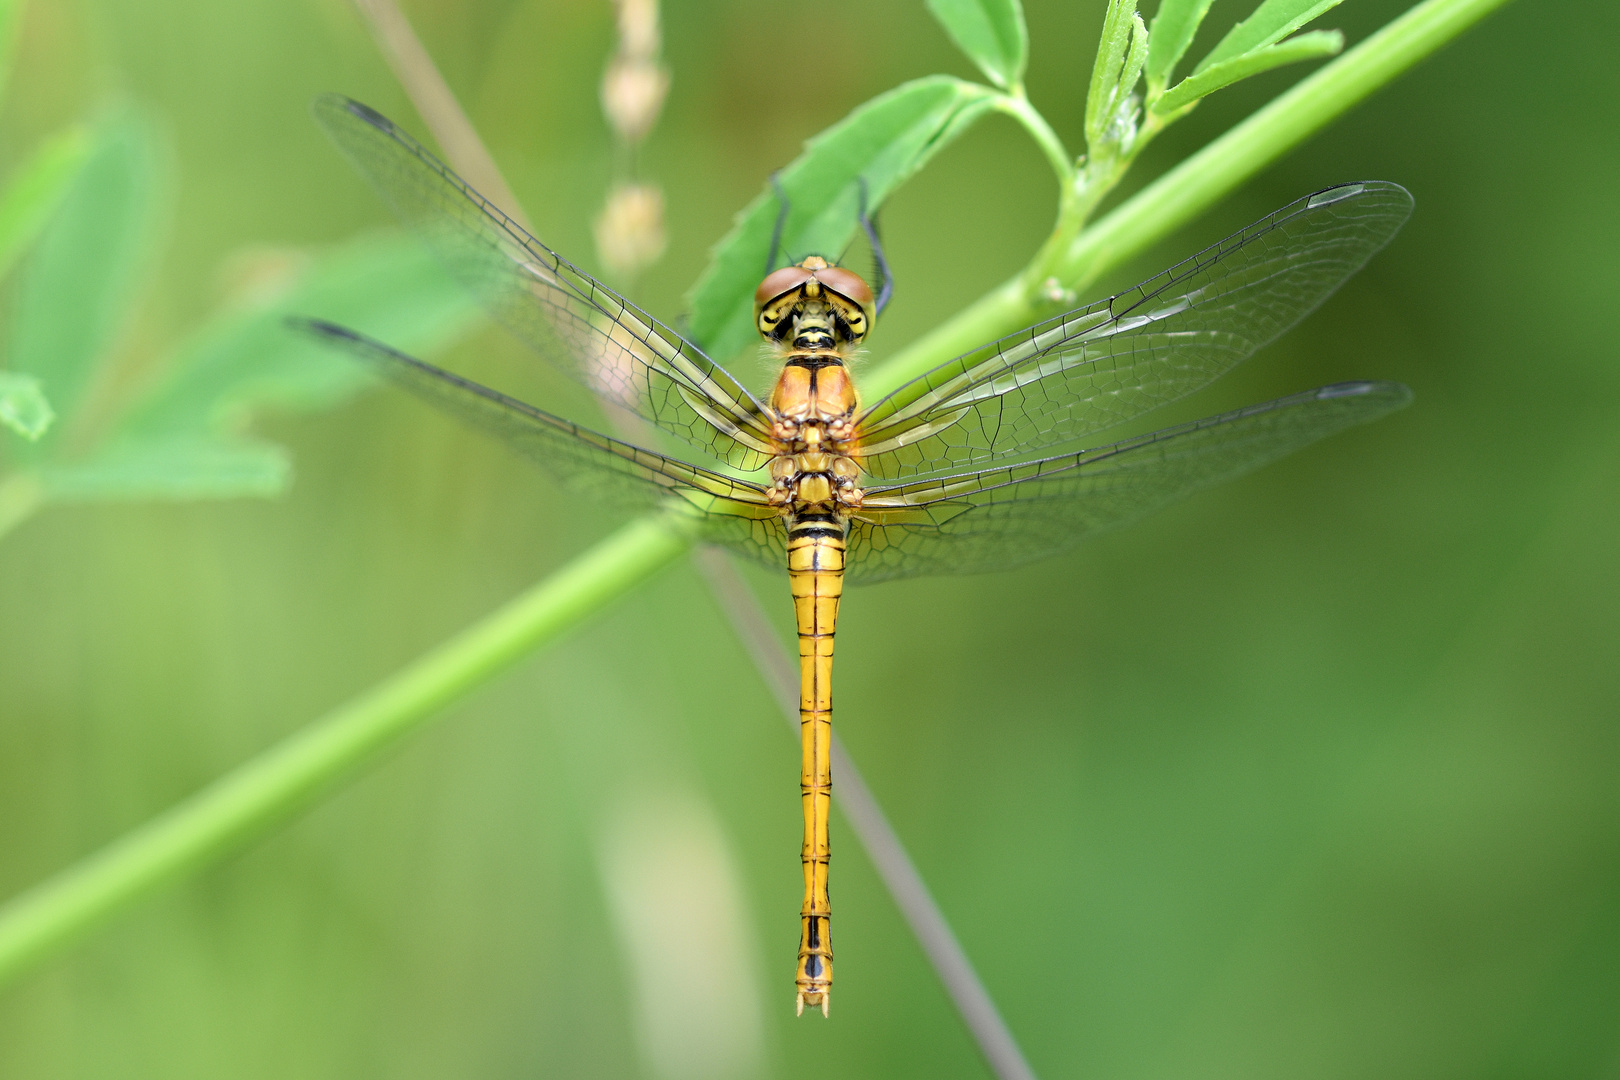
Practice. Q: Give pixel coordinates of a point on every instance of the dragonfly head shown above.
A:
(814, 291)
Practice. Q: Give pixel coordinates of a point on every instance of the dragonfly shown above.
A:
(980, 464)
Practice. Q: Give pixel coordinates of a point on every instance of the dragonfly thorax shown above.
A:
(816, 481)
(814, 405)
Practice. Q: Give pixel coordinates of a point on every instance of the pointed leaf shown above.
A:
(390, 285)
(1308, 46)
(36, 189)
(991, 32)
(1106, 94)
(23, 407)
(886, 141)
(1272, 21)
(75, 292)
(180, 469)
(1174, 27)
(1135, 59)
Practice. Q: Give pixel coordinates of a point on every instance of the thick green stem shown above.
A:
(1195, 184)
(245, 802)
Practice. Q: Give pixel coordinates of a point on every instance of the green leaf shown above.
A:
(178, 442)
(389, 286)
(37, 189)
(1121, 52)
(991, 32)
(23, 407)
(1174, 27)
(1308, 46)
(75, 291)
(886, 141)
(180, 469)
(1135, 59)
(1272, 21)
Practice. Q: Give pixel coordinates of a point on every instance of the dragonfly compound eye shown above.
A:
(851, 297)
(848, 284)
(776, 298)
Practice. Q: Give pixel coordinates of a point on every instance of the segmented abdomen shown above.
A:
(816, 574)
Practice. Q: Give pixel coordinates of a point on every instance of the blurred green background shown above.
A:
(1310, 776)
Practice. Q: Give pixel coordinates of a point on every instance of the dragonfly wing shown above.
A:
(759, 540)
(569, 317)
(1095, 367)
(583, 459)
(998, 518)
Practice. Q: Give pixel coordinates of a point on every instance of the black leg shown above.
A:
(885, 282)
(781, 220)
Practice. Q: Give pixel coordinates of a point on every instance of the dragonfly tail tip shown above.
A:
(819, 997)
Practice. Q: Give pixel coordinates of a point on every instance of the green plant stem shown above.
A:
(245, 802)
(268, 789)
(1017, 106)
(1179, 195)
(1194, 185)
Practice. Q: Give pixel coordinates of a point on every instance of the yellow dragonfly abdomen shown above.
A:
(816, 576)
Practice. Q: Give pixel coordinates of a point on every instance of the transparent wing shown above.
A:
(1095, 367)
(593, 333)
(998, 518)
(603, 467)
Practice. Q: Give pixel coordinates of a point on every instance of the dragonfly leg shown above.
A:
(885, 279)
(781, 221)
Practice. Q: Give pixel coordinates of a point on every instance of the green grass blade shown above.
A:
(279, 782)
(991, 32)
(1272, 21)
(1314, 45)
(23, 405)
(37, 189)
(886, 140)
